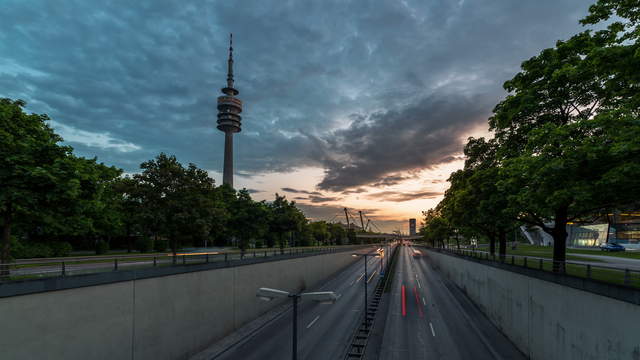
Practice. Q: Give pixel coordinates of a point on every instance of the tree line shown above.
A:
(52, 201)
(565, 145)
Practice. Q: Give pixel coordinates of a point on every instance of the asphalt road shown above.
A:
(323, 330)
(429, 318)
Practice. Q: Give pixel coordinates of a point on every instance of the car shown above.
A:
(611, 247)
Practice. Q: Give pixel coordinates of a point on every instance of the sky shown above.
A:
(347, 103)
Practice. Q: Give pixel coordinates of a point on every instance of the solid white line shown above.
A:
(432, 332)
(424, 302)
(316, 319)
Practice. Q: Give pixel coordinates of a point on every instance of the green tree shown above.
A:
(285, 218)
(434, 227)
(178, 203)
(249, 219)
(34, 169)
(474, 204)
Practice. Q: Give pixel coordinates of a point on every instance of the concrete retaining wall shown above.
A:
(167, 317)
(547, 320)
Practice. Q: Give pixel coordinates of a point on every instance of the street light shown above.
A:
(322, 297)
(366, 259)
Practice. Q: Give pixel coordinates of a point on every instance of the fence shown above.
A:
(39, 268)
(610, 274)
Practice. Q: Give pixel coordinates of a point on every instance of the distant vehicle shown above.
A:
(417, 253)
(611, 247)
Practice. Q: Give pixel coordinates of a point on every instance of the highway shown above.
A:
(429, 318)
(324, 331)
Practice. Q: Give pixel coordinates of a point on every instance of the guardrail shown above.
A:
(34, 269)
(615, 275)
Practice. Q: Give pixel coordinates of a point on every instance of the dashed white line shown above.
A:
(432, 332)
(419, 284)
(371, 277)
(318, 317)
(424, 302)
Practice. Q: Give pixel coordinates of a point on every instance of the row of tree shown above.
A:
(566, 143)
(49, 197)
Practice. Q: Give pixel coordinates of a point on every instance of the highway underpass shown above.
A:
(423, 316)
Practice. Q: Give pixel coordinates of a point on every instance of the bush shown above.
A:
(160, 245)
(60, 249)
(259, 244)
(25, 250)
(102, 247)
(144, 244)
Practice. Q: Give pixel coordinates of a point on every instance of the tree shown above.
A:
(338, 233)
(285, 217)
(434, 227)
(474, 204)
(249, 219)
(178, 203)
(320, 232)
(34, 170)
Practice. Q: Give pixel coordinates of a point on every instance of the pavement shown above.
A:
(430, 318)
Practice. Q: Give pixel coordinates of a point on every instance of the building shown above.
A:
(412, 227)
(621, 228)
(229, 109)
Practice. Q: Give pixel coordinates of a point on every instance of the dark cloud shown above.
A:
(354, 191)
(398, 196)
(368, 90)
(296, 191)
(323, 199)
(254, 191)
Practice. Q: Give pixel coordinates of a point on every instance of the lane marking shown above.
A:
(419, 286)
(404, 303)
(424, 302)
(313, 322)
(371, 277)
(432, 332)
(420, 311)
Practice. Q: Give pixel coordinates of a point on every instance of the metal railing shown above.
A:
(611, 274)
(40, 268)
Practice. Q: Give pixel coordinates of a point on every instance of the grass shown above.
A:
(613, 276)
(572, 254)
(543, 252)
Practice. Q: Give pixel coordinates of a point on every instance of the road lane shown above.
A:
(440, 321)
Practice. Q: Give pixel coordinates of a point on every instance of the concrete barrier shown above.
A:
(546, 320)
(164, 317)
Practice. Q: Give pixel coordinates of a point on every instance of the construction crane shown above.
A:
(346, 214)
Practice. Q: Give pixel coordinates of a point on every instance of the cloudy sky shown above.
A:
(363, 104)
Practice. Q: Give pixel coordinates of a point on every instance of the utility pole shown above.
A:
(346, 214)
(361, 221)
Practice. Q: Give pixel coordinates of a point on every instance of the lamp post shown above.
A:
(366, 259)
(322, 297)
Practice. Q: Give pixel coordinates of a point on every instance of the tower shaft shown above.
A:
(227, 175)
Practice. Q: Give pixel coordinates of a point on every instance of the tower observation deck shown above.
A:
(229, 120)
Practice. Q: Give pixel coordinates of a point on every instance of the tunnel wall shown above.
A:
(164, 317)
(543, 319)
